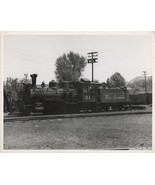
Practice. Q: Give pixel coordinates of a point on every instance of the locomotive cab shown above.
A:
(87, 94)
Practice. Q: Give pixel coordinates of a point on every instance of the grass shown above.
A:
(101, 133)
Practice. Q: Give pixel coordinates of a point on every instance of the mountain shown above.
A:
(138, 79)
(137, 85)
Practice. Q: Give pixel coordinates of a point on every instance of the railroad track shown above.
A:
(79, 115)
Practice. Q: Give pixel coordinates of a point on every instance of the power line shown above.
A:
(31, 58)
(145, 73)
(22, 52)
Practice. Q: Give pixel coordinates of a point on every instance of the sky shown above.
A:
(126, 54)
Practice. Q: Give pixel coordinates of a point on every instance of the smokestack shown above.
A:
(34, 76)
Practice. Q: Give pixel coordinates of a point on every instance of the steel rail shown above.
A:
(79, 115)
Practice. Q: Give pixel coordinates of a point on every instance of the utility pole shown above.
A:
(92, 58)
(145, 73)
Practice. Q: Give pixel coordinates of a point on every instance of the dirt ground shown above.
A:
(101, 133)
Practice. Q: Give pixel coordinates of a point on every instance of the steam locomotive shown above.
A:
(65, 97)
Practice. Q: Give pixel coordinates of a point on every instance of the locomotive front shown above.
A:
(47, 100)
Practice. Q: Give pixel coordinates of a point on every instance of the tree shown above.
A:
(14, 91)
(96, 81)
(25, 79)
(149, 84)
(116, 80)
(108, 83)
(69, 67)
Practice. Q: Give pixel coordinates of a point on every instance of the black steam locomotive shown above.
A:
(72, 97)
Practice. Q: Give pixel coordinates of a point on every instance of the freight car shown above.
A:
(72, 97)
(141, 99)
